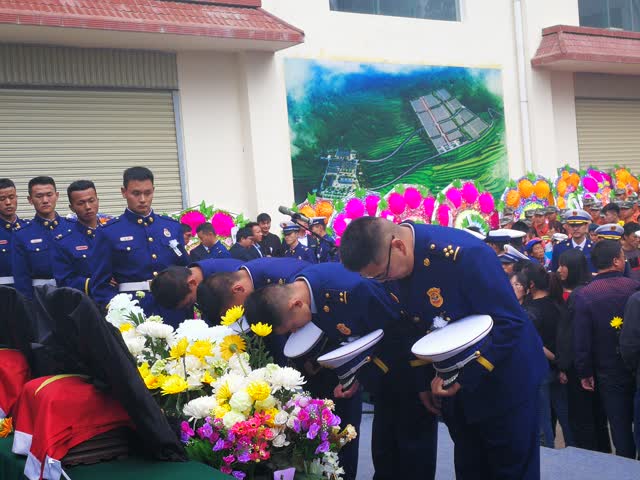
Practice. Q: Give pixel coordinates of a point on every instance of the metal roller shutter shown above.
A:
(88, 134)
(608, 133)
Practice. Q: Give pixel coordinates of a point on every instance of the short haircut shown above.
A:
(604, 253)
(139, 174)
(79, 186)
(362, 242)
(6, 183)
(205, 227)
(263, 217)
(520, 226)
(185, 228)
(250, 225)
(214, 293)
(631, 228)
(42, 180)
(170, 287)
(611, 207)
(244, 232)
(265, 305)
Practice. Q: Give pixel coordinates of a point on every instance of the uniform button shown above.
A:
(416, 319)
(89, 232)
(37, 249)
(426, 262)
(8, 226)
(155, 274)
(150, 239)
(146, 224)
(128, 249)
(154, 256)
(150, 219)
(268, 280)
(140, 221)
(46, 224)
(84, 256)
(433, 246)
(326, 308)
(4, 249)
(327, 295)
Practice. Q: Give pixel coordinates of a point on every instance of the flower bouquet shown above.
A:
(463, 205)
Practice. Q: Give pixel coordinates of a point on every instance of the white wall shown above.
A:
(594, 85)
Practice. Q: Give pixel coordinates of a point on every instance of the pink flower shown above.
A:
(469, 193)
(222, 224)
(454, 196)
(487, 204)
(590, 184)
(194, 219)
(429, 205)
(338, 241)
(354, 208)
(444, 215)
(371, 204)
(597, 175)
(225, 469)
(494, 221)
(389, 215)
(340, 224)
(397, 203)
(413, 197)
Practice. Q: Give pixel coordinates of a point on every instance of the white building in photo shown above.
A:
(195, 90)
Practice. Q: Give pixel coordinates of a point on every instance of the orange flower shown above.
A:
(621, 184)
(562, 203)
(623, 175)
(324, 209)
(565, 175)
(513, 198)
(574, 180)
(6, 427)
(562, 188)
(634, 184)
(525, 187)
(541, 189)
(308, 211)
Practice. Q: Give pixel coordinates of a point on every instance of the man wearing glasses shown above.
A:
(446, 275)
(577, 222)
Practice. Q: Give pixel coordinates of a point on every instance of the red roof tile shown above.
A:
(561, 43)
(234, 19)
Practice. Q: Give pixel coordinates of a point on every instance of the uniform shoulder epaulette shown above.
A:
(66, 233)
(23, 227)
(448, 251)
(110, 222)
(70, 219)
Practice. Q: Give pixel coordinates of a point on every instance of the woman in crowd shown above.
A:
(519, 284)
(545, 307)
(587, 420)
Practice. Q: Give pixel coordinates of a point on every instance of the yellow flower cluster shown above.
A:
(179, 350)
(259, 390)
(169, 384)
(201, 349)
(232, 315)
(616, 323)
(174, 384)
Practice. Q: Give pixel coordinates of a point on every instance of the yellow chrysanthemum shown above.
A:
(152, 382)
(174, 384)
(232, 316)
(221, 410)
(616, 323)
(259, 390)
(232, 344)
(144, 369)
(6, 427)
(223, 394)
(272, 412)
(207, 378)
(201, 349)
(125, 327)
(179, 350)
(261, 329)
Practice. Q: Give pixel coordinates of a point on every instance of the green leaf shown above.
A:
(441, 198)
(399, 189)
(294, 207)
(339, 205)
(500, 206)
(383, 204)
(424, 190)
(360, 192)
(330, 231)
(532, 176)
(512, 184)
(203, 205)
(311, 198)
(457, 183)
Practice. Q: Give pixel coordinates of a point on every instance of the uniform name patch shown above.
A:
(126, 239)
(36, 240)
(82, 247)
(4, 242)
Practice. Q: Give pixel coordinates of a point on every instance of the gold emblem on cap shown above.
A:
(343, 329)
(435, 298)
(326, 308)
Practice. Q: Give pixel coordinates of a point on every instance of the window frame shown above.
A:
(459, 11)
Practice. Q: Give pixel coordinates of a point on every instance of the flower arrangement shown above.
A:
(462, 205)
(237, 407)
(528, 193)
(568, 188)
(316, 207)
(597, 184)
(223, 222)
(624, 180)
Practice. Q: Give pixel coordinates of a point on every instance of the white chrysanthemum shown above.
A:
(281, 418)
(266, 404)
(259, 375)
(194, 379)
(291, 422)
(232, 417)
(234, 381)
(241, 402)
(239, 363)
(154, 329)
(193, 330)
(200, 407)
(217, 333)
(122, 301)
(135, 344)
(191, 364)
(279, 441)
(286, 378)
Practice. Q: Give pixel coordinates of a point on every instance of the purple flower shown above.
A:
(324, 436)
(219, 445)
(239, 475)
(229, 459)
(205, 431)
(225, 469)
(244, 457)
(296, 425)
(313, 431)
(322, 448)
(186, 432)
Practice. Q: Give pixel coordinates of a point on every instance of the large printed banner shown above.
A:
(374, 125)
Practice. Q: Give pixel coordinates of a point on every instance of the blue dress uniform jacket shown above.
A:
(217, 265)
(266, 271)
(324, 250)
(133, 248)
(32, 251)
(7, 232)
(71, 253)
(218, 250)
(456, 275)
(301, 253)
(562, 247)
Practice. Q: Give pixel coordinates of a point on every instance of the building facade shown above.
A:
(196, 90)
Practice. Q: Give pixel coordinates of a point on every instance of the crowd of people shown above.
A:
(574, 278)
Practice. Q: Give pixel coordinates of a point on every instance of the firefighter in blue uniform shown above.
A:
(326, 251)
(578, 221)
(71, 250)
(343, 305)
(210, 246)
(130, 250)
(32, 243)
(293, 248)
(444, 275)
(9, 223)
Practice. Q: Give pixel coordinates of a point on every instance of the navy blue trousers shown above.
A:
(404, 440)
(498, 448)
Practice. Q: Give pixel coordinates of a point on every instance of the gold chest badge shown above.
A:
(435, 298)
(343, 329)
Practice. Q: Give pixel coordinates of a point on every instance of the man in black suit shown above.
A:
(271, 245)
(243, 249)
(210, 246)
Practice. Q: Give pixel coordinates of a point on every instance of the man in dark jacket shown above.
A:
(599, 315)
(630, 351)
(243, 249)
(271, 245)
